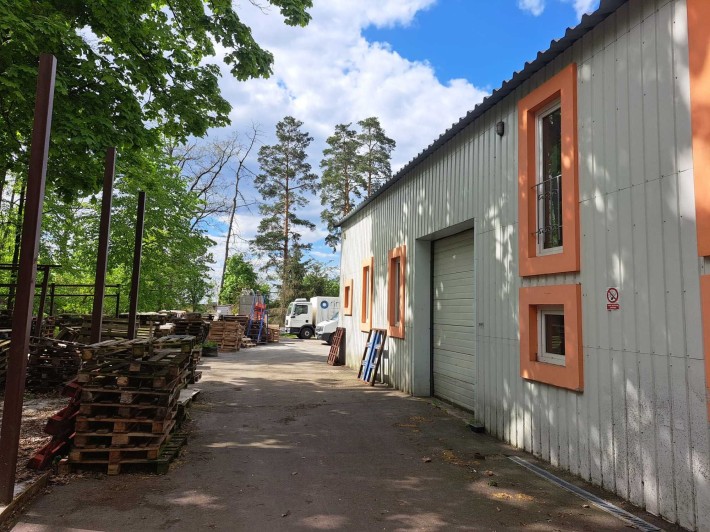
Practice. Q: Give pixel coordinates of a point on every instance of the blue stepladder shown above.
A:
(372, 356)
(258, 319)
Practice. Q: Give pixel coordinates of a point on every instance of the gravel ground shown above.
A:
(36, 409)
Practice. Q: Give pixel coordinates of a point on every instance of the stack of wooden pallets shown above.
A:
(186, 343)
(273, 334)
(192, 325)
(227, 335)
(48, 326)
(4, 348)
(111, 328)
(128, 404)
(52, 363)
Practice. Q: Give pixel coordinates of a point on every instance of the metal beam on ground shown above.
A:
(136, 274)
(22, 315)
(102, 255)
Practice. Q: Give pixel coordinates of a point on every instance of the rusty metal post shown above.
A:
(118, 301)
(102, 256)
(136, 274)
(42, 301)
(22, 316)
(52, 288)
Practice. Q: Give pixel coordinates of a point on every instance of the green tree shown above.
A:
(176, 259)
(239, 275)
(284, 182)
(127, 70)
(342, 180)
(320, 280)
(376, 154)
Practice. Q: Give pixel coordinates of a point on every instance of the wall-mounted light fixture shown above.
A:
(500, 128)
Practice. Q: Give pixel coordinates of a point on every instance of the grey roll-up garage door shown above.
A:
(453, 313)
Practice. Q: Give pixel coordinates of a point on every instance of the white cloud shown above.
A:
(536, 7)
(328, 73)
(584, 6)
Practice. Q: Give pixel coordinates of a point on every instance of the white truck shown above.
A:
(302, 315)
(326, 329)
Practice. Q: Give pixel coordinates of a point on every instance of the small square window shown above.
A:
(551, 336)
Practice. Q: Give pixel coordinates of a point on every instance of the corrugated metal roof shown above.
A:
(572, 35)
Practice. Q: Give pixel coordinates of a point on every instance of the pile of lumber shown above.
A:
(227, 335)
(48, 326)
(129, 402)
(52, 363)
(4, 348)
(192, 325)
(273, 334)
(111, 328)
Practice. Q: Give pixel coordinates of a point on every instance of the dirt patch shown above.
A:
(37, 408)
(413, 423)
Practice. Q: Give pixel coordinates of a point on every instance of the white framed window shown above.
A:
(548, 182)
(551, 335)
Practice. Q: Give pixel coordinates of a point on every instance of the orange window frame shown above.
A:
(348, 298)
(699, 66)
(367, 296)
(396, 260)
(562, 88)
(571, 375)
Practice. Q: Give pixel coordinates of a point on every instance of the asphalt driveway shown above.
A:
(282, 441)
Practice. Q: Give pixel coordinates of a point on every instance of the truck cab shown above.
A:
(302, 315)
(299, 319)
(326, 329)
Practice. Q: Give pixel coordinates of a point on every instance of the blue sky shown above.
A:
(482, 41)
(394, 59)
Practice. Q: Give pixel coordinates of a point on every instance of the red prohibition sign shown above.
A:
(612, 295)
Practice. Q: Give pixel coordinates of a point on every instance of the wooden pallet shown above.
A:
(336, 356)
(129, 461)
(132, 397)
(87, 441)
(273, 334)
(227, 335)
(248, 342)
(372, 355)
(128, 412)
(51, 363)
(129, 392)
(119, 425)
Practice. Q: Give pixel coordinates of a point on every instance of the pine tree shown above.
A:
(376, 153)
(283, 183)
(342, 178)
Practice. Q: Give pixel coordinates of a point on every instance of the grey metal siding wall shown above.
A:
(640, 428)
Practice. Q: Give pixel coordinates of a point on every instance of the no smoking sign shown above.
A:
(612, 298)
